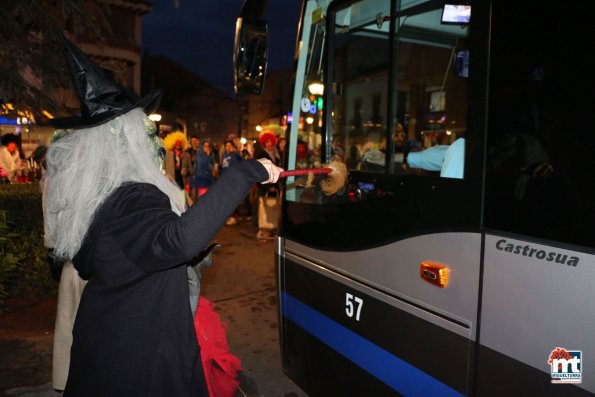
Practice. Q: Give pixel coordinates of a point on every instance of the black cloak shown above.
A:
(134, 333)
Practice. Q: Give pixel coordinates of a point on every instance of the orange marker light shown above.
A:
(434, 273)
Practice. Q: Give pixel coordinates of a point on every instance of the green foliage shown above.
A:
(8, 260)
(23, 267)
(22, 202)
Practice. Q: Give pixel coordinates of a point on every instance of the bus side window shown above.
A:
(541, 156)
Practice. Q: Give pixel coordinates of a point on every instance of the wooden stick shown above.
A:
(306, 171)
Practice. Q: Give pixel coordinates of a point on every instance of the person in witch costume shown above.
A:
(109, 209)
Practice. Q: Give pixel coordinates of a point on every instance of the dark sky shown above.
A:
(199, 34)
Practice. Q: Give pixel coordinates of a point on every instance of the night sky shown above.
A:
(199, 34)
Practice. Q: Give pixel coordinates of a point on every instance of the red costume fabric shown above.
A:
(219, 364)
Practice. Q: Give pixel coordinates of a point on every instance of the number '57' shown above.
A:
(353, 305)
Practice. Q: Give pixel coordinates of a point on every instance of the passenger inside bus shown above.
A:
(373, 153)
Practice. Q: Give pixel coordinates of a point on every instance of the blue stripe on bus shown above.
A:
(391, 370)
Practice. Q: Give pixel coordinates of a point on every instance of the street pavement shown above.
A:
(242, 284)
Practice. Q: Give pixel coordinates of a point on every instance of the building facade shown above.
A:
(120, 54)
(190, 102)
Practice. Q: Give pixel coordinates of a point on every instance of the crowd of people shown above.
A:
(196, 164)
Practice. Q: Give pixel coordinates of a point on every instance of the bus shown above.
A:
(419, 281)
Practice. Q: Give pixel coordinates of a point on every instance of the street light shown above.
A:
(316, 87)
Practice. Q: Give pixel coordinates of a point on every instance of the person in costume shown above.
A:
(109, 209)
(269, 196)
(10, 160)
(205, 169)
(70, 290)
(176, 165)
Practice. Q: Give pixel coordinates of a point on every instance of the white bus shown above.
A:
(459, 257)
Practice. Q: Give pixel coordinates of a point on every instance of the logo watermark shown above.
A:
(566, 365)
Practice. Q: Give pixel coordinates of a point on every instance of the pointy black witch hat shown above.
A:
(101, 97)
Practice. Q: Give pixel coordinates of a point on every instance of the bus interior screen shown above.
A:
(459, 14)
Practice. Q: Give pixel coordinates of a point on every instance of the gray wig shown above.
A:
(85, 166)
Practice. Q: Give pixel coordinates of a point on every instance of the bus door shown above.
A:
(379, 282)
(537, 318)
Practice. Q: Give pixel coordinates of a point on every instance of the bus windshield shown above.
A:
(398, 95)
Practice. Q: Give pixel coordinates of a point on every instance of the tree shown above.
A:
(32, 65)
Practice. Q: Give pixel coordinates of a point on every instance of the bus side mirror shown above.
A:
(250, 57)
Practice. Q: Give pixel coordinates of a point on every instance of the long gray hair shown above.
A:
(85, 166)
